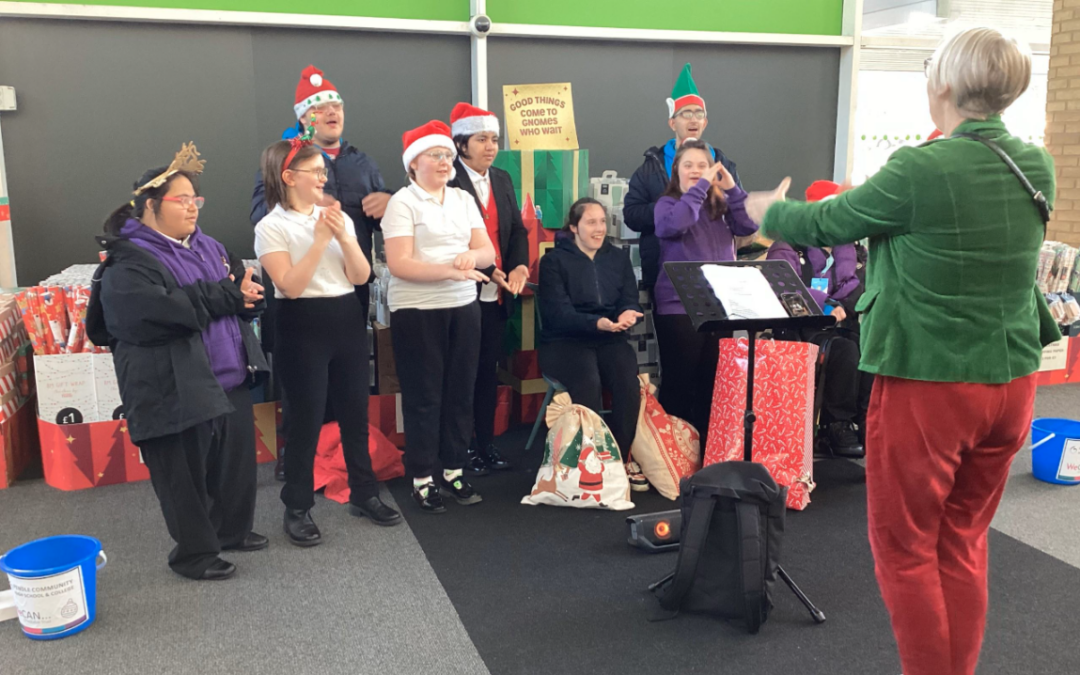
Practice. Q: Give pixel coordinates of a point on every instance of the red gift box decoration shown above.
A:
(19, 446)
(79, 456)
(783, 403)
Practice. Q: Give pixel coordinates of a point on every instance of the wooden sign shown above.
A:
(539, 117)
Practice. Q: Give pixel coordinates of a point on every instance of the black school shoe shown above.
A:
(844, 441)
(374, 509)
(461, 491)
(475, 465)
(493, 459)
(428, 498)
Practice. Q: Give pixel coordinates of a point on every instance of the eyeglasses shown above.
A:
(691, 114)
(323, 108)
(186, 201)
(319, 173)
(443, 156)
(926, 65)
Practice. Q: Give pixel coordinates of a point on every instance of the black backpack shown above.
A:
(729, 553)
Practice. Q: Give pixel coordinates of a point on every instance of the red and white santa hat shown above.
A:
(466, 120)
(434, 134)
(312, 90)
(821, 190)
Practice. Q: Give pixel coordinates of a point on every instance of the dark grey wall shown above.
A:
(771, 109)
(99, 103)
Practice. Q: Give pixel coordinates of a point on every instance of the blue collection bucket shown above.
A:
(54, 581)
(1055, 451)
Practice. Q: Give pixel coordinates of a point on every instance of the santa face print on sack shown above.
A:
(591, 469)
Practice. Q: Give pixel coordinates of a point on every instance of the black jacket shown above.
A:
(513, 243)
(154, 328)
(646, 186)
(350, 177)
(576, 292)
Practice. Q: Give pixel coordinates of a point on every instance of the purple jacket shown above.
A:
(688, 235)
(841, 276)
(209, 261)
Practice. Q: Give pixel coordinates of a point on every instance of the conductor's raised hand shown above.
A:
(758, 203)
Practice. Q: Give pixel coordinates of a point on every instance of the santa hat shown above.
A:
(684, 93)
(434, 134)
(466, 120)
(821, 190)
(313, 89)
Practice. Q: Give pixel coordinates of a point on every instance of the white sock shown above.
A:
(449, 476)
(419, 483)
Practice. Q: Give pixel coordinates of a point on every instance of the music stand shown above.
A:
(707, 314)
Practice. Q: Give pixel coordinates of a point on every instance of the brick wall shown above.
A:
(1063, 120)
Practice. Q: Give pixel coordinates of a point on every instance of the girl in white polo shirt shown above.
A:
(313, 257)
(435, 243)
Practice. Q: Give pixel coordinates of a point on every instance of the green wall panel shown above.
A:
(799, 17)
(445, 10)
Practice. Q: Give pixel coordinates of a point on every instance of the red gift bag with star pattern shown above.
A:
(783, 403)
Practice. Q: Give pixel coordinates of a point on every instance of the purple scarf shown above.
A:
(206, 260)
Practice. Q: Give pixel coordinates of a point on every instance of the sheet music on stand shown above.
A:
(744, 292)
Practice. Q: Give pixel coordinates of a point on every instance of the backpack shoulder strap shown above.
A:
(1036, 196)
(697, 527)
(748, 517)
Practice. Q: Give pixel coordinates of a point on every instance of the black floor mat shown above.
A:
(558, 590)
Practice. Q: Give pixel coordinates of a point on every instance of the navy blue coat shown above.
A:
(576, 291)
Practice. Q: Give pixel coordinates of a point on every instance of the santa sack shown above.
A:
(582, 466)
(783, 403)
(330, 472)
(666, 448)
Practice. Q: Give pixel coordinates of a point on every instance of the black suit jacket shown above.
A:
(513, 243)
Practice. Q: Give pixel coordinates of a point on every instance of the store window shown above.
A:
(898, 35)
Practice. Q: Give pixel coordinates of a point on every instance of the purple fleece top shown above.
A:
(688, 235)
(841, 276)
(206, 260)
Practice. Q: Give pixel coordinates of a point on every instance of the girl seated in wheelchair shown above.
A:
(835, 277)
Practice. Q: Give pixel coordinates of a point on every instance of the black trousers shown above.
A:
(847, 389)
(204, 478)
(486, 392)
(586, 368)
(436, 352)
(688, 362)
(322, 351)
(329, 415)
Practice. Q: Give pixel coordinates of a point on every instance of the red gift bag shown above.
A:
(783, 403)
(330, 472)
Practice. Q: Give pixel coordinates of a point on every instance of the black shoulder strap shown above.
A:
(1038, 197)
(693, 539)
(748, 517)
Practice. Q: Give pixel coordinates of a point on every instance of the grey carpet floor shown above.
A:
(365, 602)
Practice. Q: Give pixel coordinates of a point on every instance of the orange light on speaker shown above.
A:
(662, 529)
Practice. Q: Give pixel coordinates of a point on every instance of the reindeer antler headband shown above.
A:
(186, 160)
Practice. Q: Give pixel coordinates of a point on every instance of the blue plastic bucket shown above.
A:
(1055, 451)
(54, 581)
